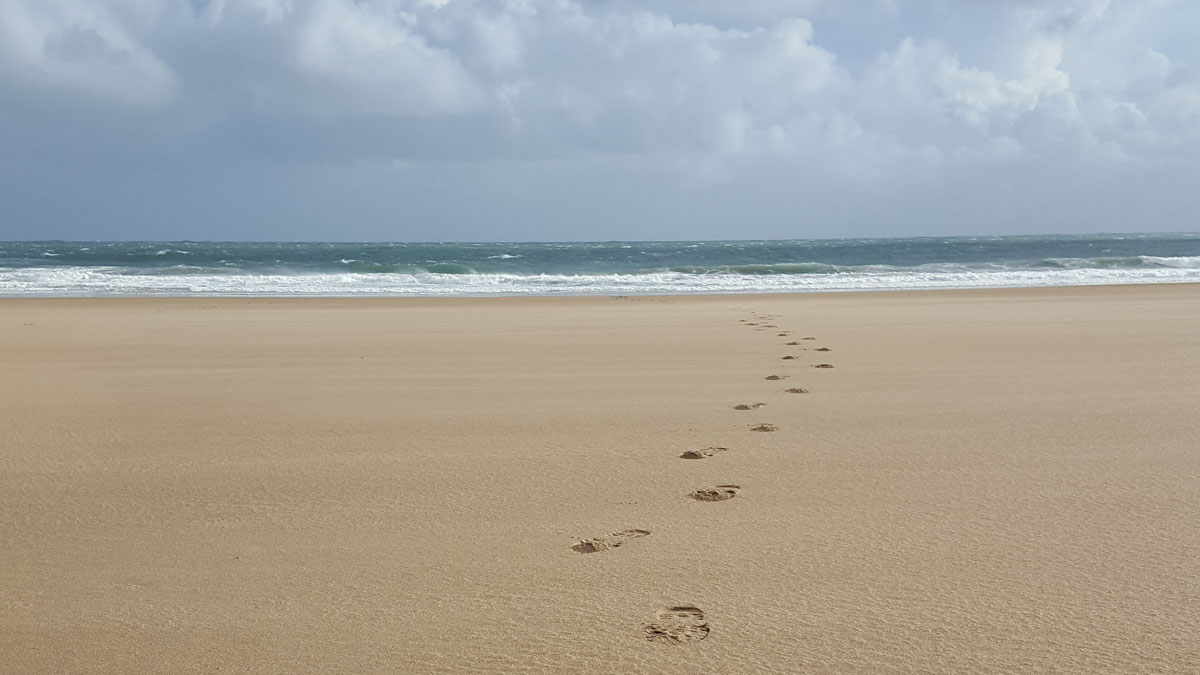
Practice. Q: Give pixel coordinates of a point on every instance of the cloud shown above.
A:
(84, 49)
(655, 86)
(330, 58)
(762, 103)
(360, 58)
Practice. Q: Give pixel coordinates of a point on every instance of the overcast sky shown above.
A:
(596, 119)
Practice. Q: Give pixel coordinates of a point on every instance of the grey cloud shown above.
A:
(517, 113)
(83, 49)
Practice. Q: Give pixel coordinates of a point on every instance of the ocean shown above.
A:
(186, 268)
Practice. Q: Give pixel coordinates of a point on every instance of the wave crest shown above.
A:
(84, 282)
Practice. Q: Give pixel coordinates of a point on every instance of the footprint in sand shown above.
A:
(822, 349)
(789, 357)
(808, 337)
(823, 365)
(604, 543)
(676, 625)
(796, 390)
(715, 494)
(748, 406)
(782, 334)
(764, 427)
(702, 453)
(775, 377)
(794, 343)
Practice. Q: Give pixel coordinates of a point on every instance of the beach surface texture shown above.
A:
(954, 482)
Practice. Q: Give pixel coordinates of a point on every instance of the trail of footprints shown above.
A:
(686, 623)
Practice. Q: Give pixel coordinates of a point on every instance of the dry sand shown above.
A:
(984, 482)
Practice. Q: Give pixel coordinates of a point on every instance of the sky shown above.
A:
(560, 120)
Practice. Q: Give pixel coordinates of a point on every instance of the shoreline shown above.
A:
(987, 480)
(613, 294)
(160, 269)
(999, 290)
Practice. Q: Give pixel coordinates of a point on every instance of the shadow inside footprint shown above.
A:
(703, 453)
(715, 494)
(789, 357)
(796, 390)
(606, 542)
(748, 406)
(764, 427)
(775, 377)
(823, 365)
(822, 349)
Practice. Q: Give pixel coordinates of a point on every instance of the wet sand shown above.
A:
(937, 482)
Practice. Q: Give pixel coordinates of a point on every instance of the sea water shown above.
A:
(183, 268)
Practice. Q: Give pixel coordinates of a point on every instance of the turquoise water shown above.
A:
(54, 268)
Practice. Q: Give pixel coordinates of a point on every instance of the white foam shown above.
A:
(1172, 261)
(101, 281)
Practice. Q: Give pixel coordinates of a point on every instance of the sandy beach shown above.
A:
(980, 482)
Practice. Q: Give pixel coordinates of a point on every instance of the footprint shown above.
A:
(775, 377)
(789, 357)
(823, 365)
(782, 334)
(677, 625)
(764, 427)
(794, 343)
(808, 337)
(796, 390)
(715, 494)
(750, 406)
(703, 453)
(606, 542)
(822, 349)
(751, 324)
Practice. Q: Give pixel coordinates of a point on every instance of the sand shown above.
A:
(983, 482)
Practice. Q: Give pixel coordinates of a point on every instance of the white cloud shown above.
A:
(362, 58)
(745, 14)
(267, 11)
